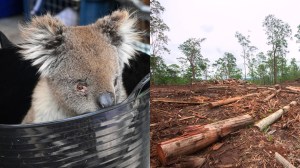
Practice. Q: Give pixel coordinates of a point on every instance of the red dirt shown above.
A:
(247, 147)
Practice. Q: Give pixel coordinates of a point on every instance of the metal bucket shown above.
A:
(113, 137)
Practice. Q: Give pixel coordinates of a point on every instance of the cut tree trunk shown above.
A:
(272, 95)
(264, 123)
(231, 100)
(275, 66)
(283, 161)
(198, 137)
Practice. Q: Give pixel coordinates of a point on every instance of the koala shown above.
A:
(80, 67)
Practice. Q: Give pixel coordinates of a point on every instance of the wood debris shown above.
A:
(177, 120)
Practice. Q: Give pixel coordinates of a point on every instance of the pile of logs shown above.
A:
(231, 82)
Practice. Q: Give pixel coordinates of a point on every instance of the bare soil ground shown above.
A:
(247, 147)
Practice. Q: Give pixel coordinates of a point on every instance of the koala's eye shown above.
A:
(81, 87)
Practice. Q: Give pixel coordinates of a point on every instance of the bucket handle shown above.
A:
(137, 90)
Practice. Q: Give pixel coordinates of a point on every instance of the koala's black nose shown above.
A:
(106, 99)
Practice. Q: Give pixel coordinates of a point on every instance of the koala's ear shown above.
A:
(120, 29)
(42, 37)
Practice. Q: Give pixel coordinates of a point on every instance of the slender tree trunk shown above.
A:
(282, 69)
(193, 73)
(228, 70)
(275, 67)
(153, 69)
(245, 65)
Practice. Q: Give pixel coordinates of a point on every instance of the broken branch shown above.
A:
(272, 95)
(186, 118)
(230, 100)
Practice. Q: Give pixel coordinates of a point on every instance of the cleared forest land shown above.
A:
(178, 109)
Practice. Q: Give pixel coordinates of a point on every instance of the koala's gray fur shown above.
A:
(77, 63)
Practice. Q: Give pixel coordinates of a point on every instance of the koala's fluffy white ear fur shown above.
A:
(42, 37)
(119, 27)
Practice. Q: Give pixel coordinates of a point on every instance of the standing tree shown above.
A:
(252, 64)
(158, 69)
(294, 70)
(226, 67)
(204, 67)
(277, 32)
(173, 74)
(191, 48)
(282, 68)
(173, 71)
(220, 69)
(158, 40)
(262, 68)
(247, 53)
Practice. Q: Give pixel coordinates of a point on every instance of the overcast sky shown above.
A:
(218, 20)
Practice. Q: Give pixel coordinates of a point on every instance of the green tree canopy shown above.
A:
(277, 33)
(226, 67)
(191, 48)
(159, 40)
(247, 53)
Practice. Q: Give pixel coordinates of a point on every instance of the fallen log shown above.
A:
(290, 91)
(224, 102)
(166, 100)
(297, 89)
(265, 122)
(231, 100)
(256, 88)
(283, 161)
(272, 95)
(197, 137)
(191, 162)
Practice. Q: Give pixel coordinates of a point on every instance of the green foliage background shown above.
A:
(260, 68)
